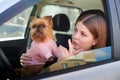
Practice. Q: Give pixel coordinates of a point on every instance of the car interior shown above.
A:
(61, 23)
(64, 14)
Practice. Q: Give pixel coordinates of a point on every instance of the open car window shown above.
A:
(83, 58)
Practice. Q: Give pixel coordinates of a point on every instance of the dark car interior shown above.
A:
(61, 23)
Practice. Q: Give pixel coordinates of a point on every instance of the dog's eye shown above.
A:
(42, 25)
(33, 26)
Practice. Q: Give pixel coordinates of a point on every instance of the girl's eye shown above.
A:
(75, 30)
(83, 34)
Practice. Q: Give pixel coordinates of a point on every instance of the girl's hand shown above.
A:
(25, 60)
(71, 50)
(68, 52)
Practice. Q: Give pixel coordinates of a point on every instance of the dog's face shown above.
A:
(41, 28)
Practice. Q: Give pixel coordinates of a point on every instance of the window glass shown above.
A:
(64, 65)
(56, 9)
(15, 27)
(82, 58)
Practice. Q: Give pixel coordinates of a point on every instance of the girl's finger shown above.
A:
(70, 46)
(77, 51)
(64, 52)
(25, 57)
(23, 63)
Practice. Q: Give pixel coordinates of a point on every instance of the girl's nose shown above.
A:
(76, 35)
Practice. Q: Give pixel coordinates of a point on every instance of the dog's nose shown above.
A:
(38, 27)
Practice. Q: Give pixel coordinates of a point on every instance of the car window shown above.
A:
(15, 27)
(56, 9)
(82, 58)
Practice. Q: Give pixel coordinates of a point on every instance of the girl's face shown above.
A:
(82, 38)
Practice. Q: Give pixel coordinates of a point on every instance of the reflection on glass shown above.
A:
(76, 64)
(64, 65)
(16, 26)
(82, 58)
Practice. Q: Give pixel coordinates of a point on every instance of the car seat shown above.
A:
(61, 23)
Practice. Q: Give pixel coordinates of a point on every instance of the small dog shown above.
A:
(43, 40)
(43, 47)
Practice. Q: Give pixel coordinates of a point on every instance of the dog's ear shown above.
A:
(49, 18)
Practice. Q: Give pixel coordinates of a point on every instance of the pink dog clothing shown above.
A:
(41, 52)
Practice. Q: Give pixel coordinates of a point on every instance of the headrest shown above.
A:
(61, 22)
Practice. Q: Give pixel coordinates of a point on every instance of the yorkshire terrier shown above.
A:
(43, 47)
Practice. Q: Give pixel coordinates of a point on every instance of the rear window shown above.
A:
(56, 9)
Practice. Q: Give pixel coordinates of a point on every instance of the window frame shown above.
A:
(113, 23)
